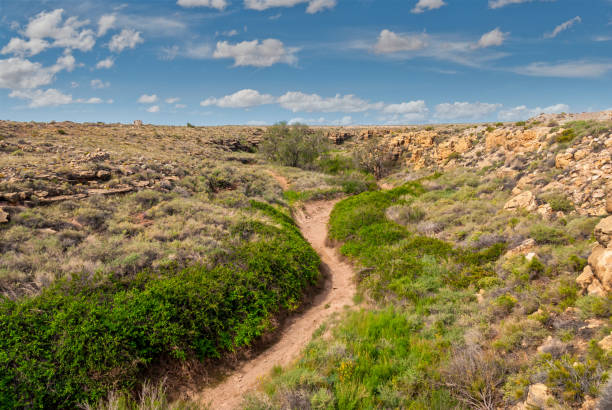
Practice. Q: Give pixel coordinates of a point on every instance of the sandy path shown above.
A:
(337, 293)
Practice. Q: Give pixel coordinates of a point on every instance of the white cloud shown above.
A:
(346, 120)
(64, 33)
(98, 84)
(106, 63)
(406, 108)
(172, 100)
(19, 73)
(423, 5)
(23, 47)
(92, 100)
(302, 120)
(39, 98)
(495, 4)
(494, 37)
(147, 99)
(562, 27)
(153, 108)
(570, 69)
(314, 6)
(298, 101)
(105, 23)
(390, 42)
(254, 53)
(464, 110)
(128, 38)
(198, 51)
(241, 99)
(521, 112)
(215, 4)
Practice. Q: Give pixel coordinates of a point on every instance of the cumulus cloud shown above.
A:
(23, 47)
(147, 99)
(98, 84)
(215, 4)
(51, 25)
(254, 53)
(521, 112)
(106, 63)
(298, 101)
(405, 112)
(19, 73)
(40, 98)
(127, 38)
(314, 6)
(562, 27)
(64, 33)
(153, 108)
(569, 69)
(424, 5)
(390, 42)
(172, 100)
(464, 110)
(105, 23)
(493, 38)
(240, 99)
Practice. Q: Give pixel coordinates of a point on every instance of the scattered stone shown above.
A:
(103, 175)
(545, 211)
(530, 256)
(603, 232)
(609, 204)
(539, 397)
(564, 160)
(600, 261)
(60, 198)
(4, 216)
(606, 343)
(525, 200)
(109, 191)
(524, 247)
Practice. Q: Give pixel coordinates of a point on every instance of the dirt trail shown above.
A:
(338, 292)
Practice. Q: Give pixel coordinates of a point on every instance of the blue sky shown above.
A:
(212, 62)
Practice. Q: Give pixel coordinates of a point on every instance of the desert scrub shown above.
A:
(81, 337)
(376, 359)
(293, 145)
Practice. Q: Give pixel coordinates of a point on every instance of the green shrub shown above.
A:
(505, 303)
(77, 340)
(293, 145)
(559, 202)
(546, 234)
(567, 135)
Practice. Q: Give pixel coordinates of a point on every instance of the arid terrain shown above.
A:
(439, 266)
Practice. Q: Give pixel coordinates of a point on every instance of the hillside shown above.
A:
(481, 254)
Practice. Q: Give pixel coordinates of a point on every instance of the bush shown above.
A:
(559, 202)
(475, 377)
(545, 234)
(567, 135)
(374, 157)
(76, 341)
(293, 145)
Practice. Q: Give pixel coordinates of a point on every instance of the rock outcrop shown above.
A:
(525, 200)
(596, 278)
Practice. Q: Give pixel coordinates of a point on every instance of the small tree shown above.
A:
(374, 157)
(293, 145)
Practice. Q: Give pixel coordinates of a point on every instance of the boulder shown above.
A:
(606, 343)
(603, 232)
(524, 247)
(552, 346)
(609, 204)
(585, 278)
(525, 200)
(539, 397)
(601, 264)
(4, 216)
(580, 154)
(564, 159)
(545, 211)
